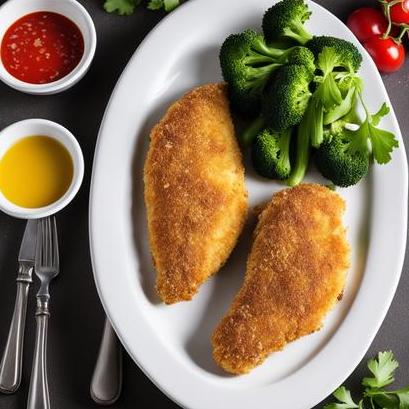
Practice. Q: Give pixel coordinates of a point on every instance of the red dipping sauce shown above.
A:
(41, 47)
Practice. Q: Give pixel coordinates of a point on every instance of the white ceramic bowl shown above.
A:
(13, 133)
(12, 10)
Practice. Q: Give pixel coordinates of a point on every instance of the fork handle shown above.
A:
(11, 362)
(38, 395)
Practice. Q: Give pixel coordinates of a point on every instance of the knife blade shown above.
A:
(11, 362)
(28, 244)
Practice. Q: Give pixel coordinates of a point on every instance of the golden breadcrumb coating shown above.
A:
(195, 194)
(295, 273)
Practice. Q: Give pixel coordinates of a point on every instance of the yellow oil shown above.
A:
(35, 172)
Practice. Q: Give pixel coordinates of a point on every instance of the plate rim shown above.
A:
(189, 403)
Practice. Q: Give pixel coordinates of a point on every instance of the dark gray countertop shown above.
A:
(77, 315)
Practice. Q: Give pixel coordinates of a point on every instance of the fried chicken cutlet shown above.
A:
(295, 273)
(195, 194)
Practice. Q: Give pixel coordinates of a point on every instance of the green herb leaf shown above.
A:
(168, 5)
(383, 111)
(403, 396)
(383, 143)
(155, 4)
(121, 7)
(385, 401)
(384, 367)
(171, 4)
(343, 395)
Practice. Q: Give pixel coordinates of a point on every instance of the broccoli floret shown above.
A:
(271, 154)
(344, 157)
(338, 164)
(302, 56)
(286, 99)
(348, 55)
(286, 20)
(247, 63)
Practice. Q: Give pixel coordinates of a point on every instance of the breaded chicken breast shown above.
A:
(295, 273)
(195, 194)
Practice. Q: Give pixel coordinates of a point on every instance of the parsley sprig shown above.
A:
(375, 396)
(127, 7)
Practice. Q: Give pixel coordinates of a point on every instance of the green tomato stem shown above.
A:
(387, 11)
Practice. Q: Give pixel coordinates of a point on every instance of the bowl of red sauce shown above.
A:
(46, 46)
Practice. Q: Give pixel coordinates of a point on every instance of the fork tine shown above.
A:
(44, 238)
(47, 254)
(56, 257)
(49, 242)
(45, 242)
(39, 245)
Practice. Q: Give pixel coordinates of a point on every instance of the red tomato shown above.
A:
(388, 55)
(367, 22)
(400, 12)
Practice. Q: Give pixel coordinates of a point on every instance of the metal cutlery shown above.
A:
(106, 383)
(11, 362)
(46, 269)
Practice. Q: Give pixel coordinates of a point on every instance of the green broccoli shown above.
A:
(247, 63)
(338, 164)
(349, 56)
(344, 158)
(285, 20)
(271, 154)
(286, 99)
(302, 56)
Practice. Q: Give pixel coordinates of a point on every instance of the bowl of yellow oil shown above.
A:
(41, 168)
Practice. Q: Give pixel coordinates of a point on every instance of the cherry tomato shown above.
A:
(367, 22)
(388, 55)
(400, 12)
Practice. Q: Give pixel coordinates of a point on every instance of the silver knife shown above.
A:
(11, 362)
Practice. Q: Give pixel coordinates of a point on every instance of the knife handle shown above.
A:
(11, 362)
(38, 394)
(106, 383)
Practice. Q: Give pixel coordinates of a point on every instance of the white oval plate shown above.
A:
(171, 343)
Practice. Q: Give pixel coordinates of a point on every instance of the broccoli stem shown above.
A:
(316, 122)
(261, 48)
(254, 59)
(284, 145)
(298, 32)
(258, 77)
(261, 72)
(342, 109)
(302, 152)
(247, 137)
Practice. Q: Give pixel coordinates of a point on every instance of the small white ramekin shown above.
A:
(29, 127)
(12, 10)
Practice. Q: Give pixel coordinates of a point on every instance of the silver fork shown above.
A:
(46, 268)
